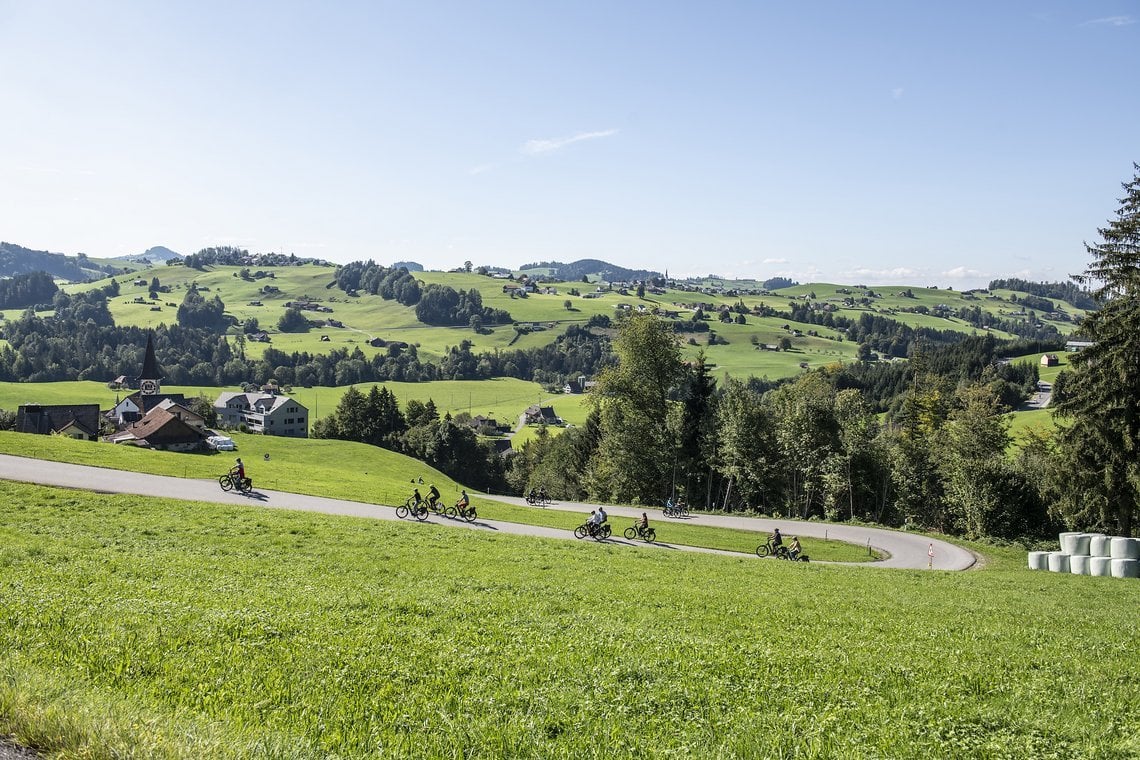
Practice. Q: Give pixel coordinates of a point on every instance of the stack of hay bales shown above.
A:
(1091, 554)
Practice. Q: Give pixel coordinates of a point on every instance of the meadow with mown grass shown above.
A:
(158, 628)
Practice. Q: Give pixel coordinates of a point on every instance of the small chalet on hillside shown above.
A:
(545, 415)
(162, 429)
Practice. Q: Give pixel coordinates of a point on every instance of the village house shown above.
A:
(162, 429)
(545, 415)
(265, 413)
(80, 421)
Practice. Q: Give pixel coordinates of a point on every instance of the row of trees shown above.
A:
(24, 290)
(448, 445)
(661, 428)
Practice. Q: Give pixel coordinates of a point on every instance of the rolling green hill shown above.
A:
(738, 349)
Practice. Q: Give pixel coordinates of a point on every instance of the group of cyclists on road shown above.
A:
(595, 526)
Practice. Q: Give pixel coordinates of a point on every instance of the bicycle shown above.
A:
(648, 535)
(437, 508)
(596, 532)
(677, 510)
(465, 513)
(537, 500)
(413, 507)
(230, 481)
(767, 549)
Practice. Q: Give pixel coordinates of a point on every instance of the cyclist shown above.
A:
(532, 497)
(602, 517)
(794, 549)
(416, 495)
(237, 473)
(464, 500)
(777, 539)
(433, 497)
(643, 524)
(542, 494)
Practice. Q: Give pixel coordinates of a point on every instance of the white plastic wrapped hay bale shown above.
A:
(1100, 566)
(1079, 564)
(1059, 562)
(1099, 545)
(1079, 544)
(1125, 568)
(1124, 548)
(1066, 540)
(1038, 560)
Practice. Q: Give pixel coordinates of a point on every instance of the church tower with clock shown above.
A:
(149, 377)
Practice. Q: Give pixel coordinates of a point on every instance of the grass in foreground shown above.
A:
(345, 470)
(153, 628)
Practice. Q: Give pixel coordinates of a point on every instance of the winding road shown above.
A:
(901, 550)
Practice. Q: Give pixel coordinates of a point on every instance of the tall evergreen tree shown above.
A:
(1102, 394)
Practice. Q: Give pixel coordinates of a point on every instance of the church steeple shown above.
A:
(149, 377)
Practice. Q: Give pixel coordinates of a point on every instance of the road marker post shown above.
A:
(930, 561)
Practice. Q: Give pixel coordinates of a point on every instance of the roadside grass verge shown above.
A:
(138, 627)
(354, 471)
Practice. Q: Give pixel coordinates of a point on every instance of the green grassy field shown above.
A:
(138, 627)
(354, 471)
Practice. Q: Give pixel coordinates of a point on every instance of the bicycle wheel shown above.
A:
(246, 485)
(580, 531)
(631, 533)
(225, 482)
(650, 535)
(762, 550)
(604, 533)
(450, 512)
(401, 511)
(782, 553)
(469, 514)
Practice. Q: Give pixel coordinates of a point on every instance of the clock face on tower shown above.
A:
(148, 387)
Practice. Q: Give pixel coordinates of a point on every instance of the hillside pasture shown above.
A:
(139, 627)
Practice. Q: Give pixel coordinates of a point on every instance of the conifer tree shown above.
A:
(1101, 396)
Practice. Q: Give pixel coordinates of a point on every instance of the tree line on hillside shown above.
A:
(26, 290)
(450, 445)
(434, 304)
(661, 429)
(80, 340)
(1064, 291)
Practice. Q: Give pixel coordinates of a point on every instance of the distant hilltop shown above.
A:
(594, 268)
(159, 254)
(16, 259)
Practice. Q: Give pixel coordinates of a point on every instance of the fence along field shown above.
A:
(158, 628)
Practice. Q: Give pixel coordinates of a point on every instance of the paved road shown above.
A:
(904, 550)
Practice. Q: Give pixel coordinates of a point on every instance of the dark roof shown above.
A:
(49, 418)
(161, 428)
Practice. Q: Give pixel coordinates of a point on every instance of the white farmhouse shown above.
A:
(264, 413)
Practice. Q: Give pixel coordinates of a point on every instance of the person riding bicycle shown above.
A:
(433, 496)
(777, 539)
(532, 497)
(542, 493)
(602, 517)
(237, 472)
(464, 500)
(795, 549)
(416, 496)
(643, 524)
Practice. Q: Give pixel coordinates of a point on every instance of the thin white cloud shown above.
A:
(895, 273)
(537, 147)
(774, 261)
(1110, 21)
(963, 273)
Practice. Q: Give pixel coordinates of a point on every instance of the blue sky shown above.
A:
(877, 142)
